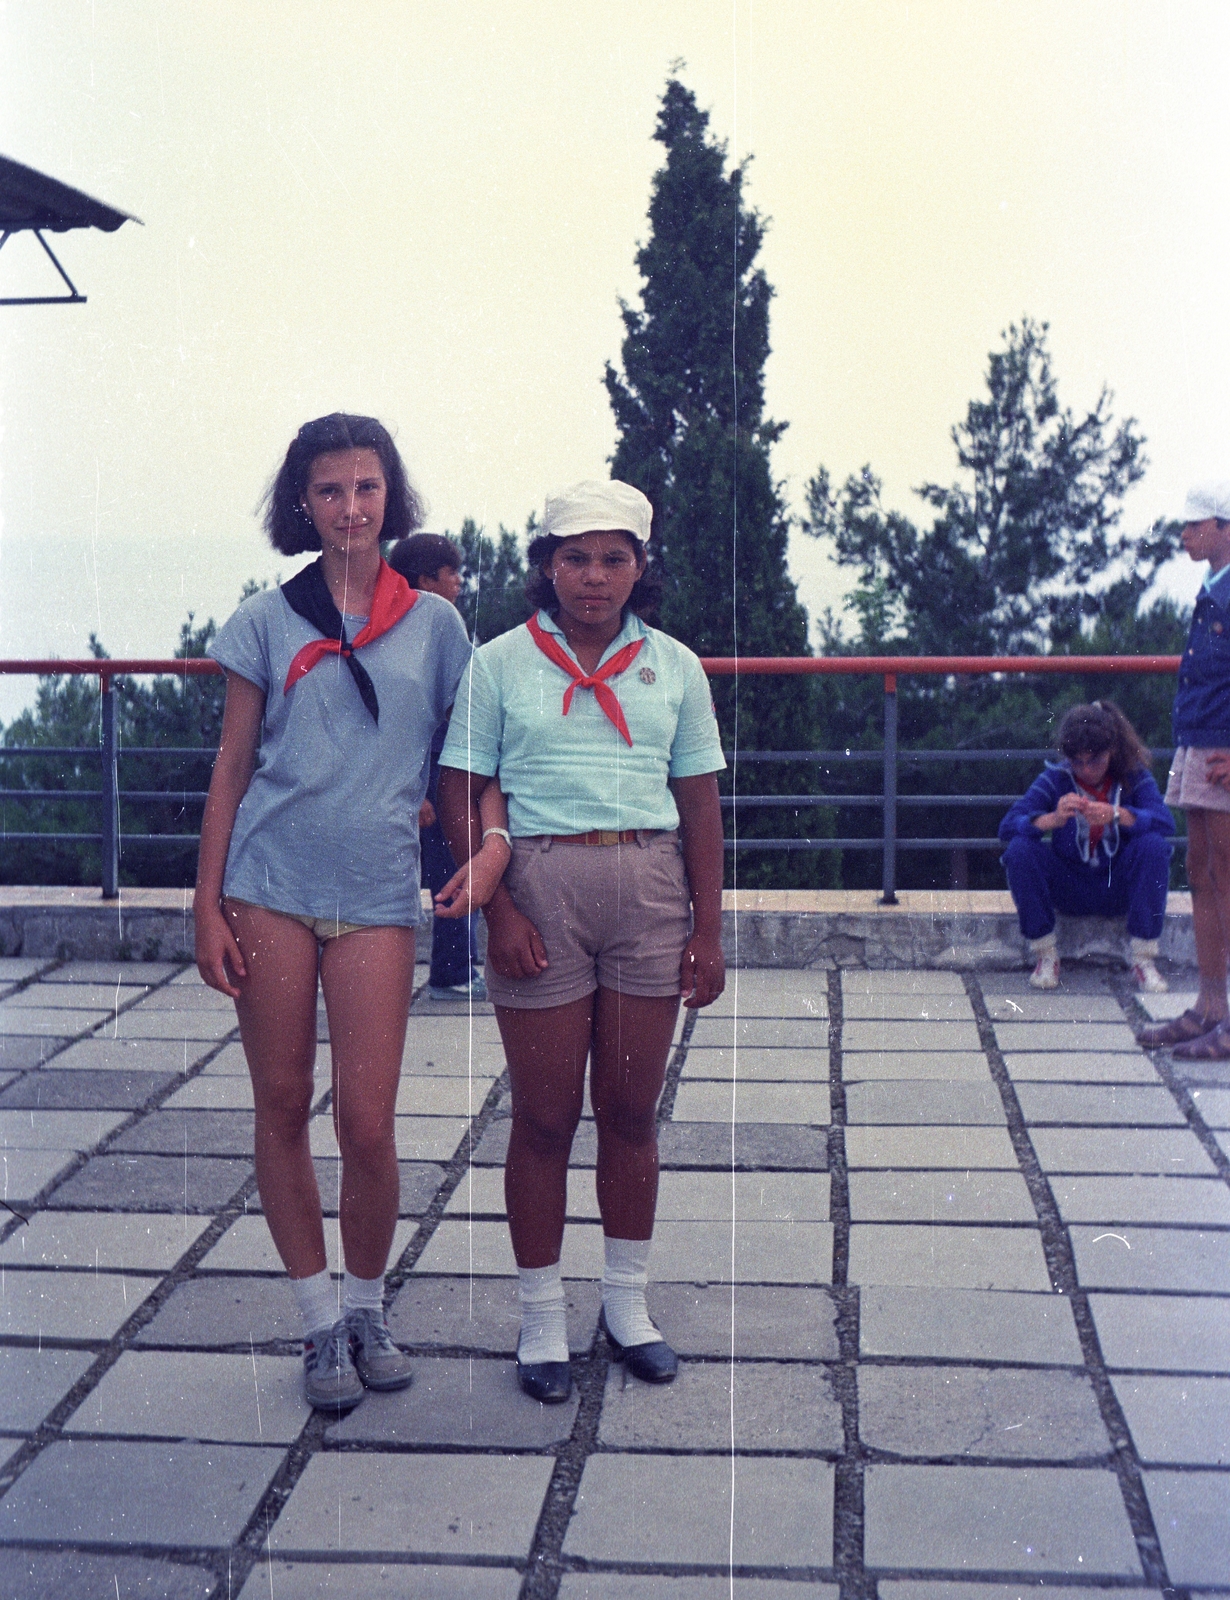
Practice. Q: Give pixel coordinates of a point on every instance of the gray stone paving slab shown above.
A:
(1080, 1066)
(1006, 1519)
(781, 1033)
(18, 968)
(960, 1148)
(180, 1394)
(903, 981)
(1068, 1103)
(805, 1104)
(417, 1138)
(41, 1129)
(1184, 1420)
(18, 1054)
(773, 992)
(75, 997)
(155, 1182)
(1130, 1257)
(422, 1095)
(225, 1311)
(1064, 1036)
(764, 1252)
(968, 1325)
(139, 1023)
(1192, 1512)
(1164, 1006)
(974, 1196)
(125, 1492)
(24, 1173)
(47, 1022)
(626, 1586)
(231, 1062)
(1078, 980)
(910, 1036)
(757, 1066)
(1166, 1333)
(133, 1055)
(113, 972)
(784, 1323)
(1060, 1007)
(181, 998)
(453, 1401)
(216, 1092)
(1214, 1106)
(482, 1313)
(953, 1066)
(1143, 1199)
(369, 1580)
(455, 1505)
(484, 1249)
(755, 1146)
(930, 1589)
(69, 1305)
(775, 1406)
(1121, 1150)
(678, 1509)
(33, 1381)
(247, 1246)
(970, 1411)
(80, 1575)
(903, 1103)
(98, 1091)
(114, 1241)
(419, 1182)
(947, 1257)
(200, 1133)
(891, 1007)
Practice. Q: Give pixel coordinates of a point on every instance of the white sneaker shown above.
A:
(1148, 979)
(1046, 974)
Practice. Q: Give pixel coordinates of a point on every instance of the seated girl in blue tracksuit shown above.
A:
(1110, 846)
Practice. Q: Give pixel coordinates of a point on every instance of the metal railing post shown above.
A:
(110, 794)
(889, 897)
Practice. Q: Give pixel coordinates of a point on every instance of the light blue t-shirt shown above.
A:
(329, 824)
(575, 773)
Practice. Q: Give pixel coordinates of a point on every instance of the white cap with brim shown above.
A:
(594, 507)
(1207, 500)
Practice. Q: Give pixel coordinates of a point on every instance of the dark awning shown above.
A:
(30, 199)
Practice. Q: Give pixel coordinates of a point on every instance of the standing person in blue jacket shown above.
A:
(1200, 778)
(1110, 847)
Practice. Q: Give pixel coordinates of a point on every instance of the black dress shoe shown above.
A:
(547, 1381)
(651, 1363)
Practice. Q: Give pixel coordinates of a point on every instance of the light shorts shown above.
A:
(325, 928)
(615, 915)
(1188, 786)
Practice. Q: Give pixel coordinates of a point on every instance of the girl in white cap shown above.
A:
(602, 733)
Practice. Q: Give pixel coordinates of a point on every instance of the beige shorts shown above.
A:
(615, 915)
(325, 928)
(1188, 785)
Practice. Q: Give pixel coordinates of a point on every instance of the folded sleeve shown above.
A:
(697, 745)
(476, 725)
(241, 645)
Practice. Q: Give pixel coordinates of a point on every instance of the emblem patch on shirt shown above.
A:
(648, 675)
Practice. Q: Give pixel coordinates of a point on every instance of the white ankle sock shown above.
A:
(363, 1293)
(1142, 948)
(624, 1278)
(544, 1325)
(1047, 945)
(317, 1299)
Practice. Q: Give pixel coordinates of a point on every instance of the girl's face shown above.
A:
(594, 575)
(1090, 769)
(345, 497)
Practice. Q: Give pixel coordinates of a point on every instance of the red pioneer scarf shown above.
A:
(308, 596)
(603, 693)
(1099, 792)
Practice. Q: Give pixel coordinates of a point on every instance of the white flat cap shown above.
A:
(594, 507)
(1207, 500)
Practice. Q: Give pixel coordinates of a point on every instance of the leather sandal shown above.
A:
(1212, 1046)
(654, 1362)
(1183, 1029)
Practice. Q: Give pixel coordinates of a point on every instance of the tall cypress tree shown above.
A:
(689, 406)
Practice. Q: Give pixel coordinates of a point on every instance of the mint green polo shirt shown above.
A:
(575, 773)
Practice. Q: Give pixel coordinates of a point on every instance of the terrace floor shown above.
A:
(946, 1261)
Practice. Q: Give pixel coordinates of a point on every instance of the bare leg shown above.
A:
(277, 1022)
(1208, 873)
(632, 1040)
(368, 983)
(546, 1052)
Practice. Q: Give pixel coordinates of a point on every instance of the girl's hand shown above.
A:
(219, 959)
(702, 972)
(514, 945)
(473, 885)
(1068, 806)
(1217, 768)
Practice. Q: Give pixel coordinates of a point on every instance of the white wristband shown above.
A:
(503, 833)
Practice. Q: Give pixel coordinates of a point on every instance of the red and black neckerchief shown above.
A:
(603, 693)
(307, 594)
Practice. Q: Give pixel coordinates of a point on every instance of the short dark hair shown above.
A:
(288, 525)
(646, 593)
(422, 555)
(1098, 727)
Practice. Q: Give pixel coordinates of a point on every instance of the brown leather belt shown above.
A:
(596, 836)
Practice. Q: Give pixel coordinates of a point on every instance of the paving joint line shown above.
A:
(546, 1565)
(674, 1071)
(1061, 1265)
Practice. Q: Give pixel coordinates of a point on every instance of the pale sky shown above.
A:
(428, 212)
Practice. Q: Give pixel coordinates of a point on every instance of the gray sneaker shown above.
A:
(378, 1361)
(330, 1382)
